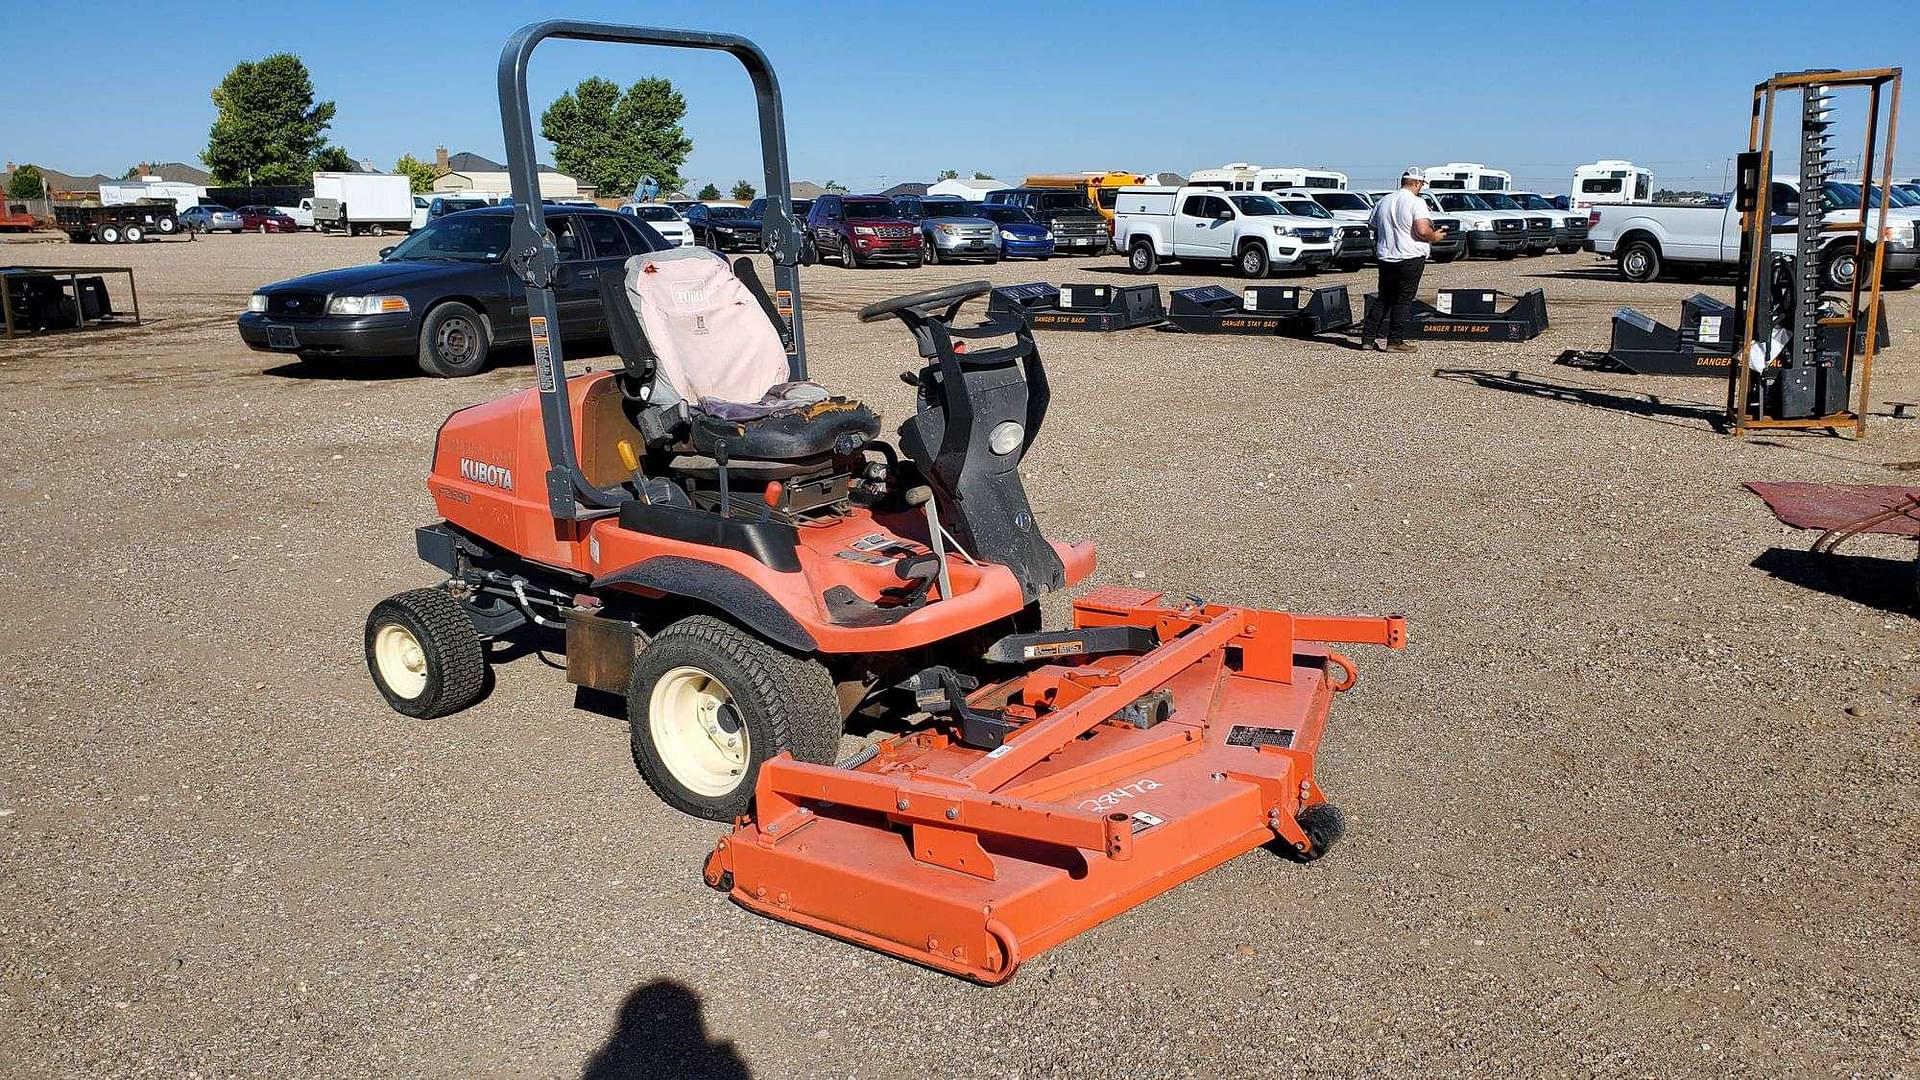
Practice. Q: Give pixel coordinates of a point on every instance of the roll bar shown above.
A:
(533, 258)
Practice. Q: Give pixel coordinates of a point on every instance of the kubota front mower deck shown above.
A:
(1121, 776)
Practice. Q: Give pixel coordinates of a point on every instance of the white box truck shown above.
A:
(358, 203)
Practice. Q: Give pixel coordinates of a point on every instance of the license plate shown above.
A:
(282, 337)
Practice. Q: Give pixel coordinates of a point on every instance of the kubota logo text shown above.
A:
(481, 472)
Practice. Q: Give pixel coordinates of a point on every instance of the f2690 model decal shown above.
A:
(481, 472)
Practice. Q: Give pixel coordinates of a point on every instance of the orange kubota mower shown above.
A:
(736, 551)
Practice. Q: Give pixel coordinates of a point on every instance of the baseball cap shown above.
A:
(1413, 173)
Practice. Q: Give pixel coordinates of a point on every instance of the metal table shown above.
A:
(72, 274)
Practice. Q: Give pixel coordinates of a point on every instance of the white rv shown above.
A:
(1467, 176)
(1312, 179)
(1233, 176)
(125, 192)
(1609, 182)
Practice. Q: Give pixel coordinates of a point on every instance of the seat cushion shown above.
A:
(808, 431)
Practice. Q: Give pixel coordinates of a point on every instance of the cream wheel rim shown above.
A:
(403, 663)
(698, 731)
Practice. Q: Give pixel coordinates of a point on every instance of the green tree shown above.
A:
(269, 130)
(711, 191)
(333, 159)
(947, 174)
(419, 174)
(743, 191)
(132, 173)
(978, 175)
(610, 138)
(834, 186)
(27, 183)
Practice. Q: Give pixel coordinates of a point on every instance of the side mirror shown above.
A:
(388, 250)
(1224, 215)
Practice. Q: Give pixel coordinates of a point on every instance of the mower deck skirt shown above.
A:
(906, 856)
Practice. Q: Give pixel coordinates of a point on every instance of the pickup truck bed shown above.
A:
(1648, 240)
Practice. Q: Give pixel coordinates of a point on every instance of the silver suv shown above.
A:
(951, 227)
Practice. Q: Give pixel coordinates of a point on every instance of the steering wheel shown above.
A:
(952, 294)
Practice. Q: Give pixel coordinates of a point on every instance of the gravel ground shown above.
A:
(1637, 799)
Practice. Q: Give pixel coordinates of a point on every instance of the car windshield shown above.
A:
(1460, 200)
(947, 208)
(730, 213)
(1304, 208)
(1342, 200)
(1257, 205)
(655, 213)
(1007, 215)
(801, 206)
(458, 238)
(1846, 196)
(1498, 201)
(871, 208)
(1898, 195)
(1532, 202)
(1065, 200)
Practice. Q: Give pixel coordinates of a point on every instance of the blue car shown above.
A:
(1021, 234)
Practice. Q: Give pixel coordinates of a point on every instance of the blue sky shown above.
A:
(879, 93)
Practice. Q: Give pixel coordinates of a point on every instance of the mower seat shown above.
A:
(713, 343)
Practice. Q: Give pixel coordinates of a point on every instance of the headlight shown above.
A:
(257, 302)
(1897, 235)
(1283, 230)
(1049, 235)
(950, 230)
(1482, 225)
(367, 305)
(863, 230)
(1006, 437)
(1005, 235)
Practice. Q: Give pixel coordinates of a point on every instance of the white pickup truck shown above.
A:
(1199, 224)
(1646, 240)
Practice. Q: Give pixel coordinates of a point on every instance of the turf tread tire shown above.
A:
(456, 660)
(792, 697)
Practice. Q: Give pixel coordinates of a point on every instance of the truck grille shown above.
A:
(1315, 236)
(1539, 224)
(1509, 225)
(1576, 227)
(975, 232)
(1079, 228)
(309, 305)
(893, 232)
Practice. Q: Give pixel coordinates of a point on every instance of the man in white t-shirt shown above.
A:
(1403, 235)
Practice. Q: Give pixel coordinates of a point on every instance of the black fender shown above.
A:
(729, 592)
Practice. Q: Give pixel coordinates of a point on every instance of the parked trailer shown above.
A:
(1609, 181)
(126, 192)
(15, 217)
(357, 203)
(1468, 176)
(1233, 176)
(127, 223)
(1280, 179)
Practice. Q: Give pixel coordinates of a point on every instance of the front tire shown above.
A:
(709, 703)
(424, 654)
(1639, 261)
(849, 260)
(1840, 269)
(932, 254)
(1253, 262)
(1141, 258)
(454, 341)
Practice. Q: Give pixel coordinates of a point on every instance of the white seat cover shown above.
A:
(709, 334)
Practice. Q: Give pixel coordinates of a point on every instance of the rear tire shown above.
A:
(454, 341)
(133, 234)
(1639, 261)
(377, 230)
(1141, 258)
(1838, 270)
(709, 703)
(108, 234)
(167, 226)
(424, 654)
(1253, 262)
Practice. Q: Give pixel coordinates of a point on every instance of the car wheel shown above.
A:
(108, 234)
(454, 341)
(424, 654)
(933, 253)
(848, 258)
(1839, 271)
(134, 234)
(166, 225)
(1253, 261)
(1141, 258)
(378, 230)
(1639, 261)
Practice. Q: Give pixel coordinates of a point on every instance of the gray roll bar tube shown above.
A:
(535, 261)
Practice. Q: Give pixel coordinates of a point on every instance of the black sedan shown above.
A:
(724, 228)
(444, 295)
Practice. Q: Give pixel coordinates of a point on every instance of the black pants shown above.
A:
(1399, 284)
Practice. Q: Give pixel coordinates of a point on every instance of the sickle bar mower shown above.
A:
(1120, 775)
